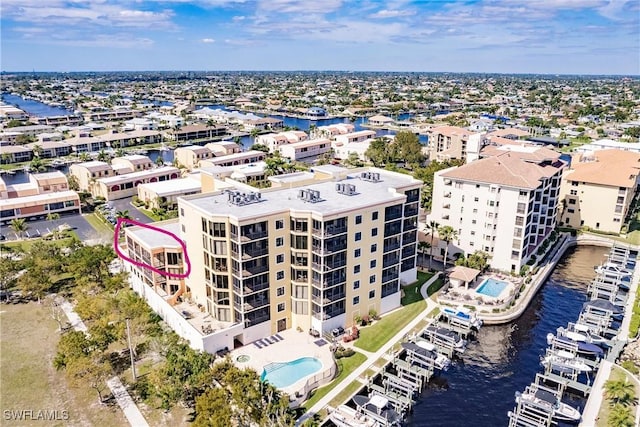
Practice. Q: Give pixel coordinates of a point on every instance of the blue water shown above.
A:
(479, 390)
(491, 287)
(291, 372)
(34, 108)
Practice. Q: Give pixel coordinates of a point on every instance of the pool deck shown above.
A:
(284, 347)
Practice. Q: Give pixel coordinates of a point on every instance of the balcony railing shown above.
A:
(329, 299)
(254, 253)
(247, 237)
(391, 246)
(329, 231)
(252, 271)
(329, 249)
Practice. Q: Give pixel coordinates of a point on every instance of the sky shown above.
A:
(502, 36)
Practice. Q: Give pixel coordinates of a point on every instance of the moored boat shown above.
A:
(547, 400)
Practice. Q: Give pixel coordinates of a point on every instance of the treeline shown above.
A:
(218, 393)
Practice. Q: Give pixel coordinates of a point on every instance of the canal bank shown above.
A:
(479, 389)
(545, 270)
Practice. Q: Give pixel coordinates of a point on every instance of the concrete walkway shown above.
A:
(126, 403)
(592, 407)
(373, 357)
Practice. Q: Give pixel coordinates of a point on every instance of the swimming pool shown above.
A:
(491, 287)
(284, 374)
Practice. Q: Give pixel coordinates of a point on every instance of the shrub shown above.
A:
(630, 366)
(344, 352)
(373, 314)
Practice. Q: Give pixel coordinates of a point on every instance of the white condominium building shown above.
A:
(504, 204)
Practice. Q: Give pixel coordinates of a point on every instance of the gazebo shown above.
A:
(460, 275)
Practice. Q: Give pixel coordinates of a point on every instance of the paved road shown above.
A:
(125, 205)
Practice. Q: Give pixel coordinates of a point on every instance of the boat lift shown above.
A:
(459, 326)
(529, 413)
(442, 346)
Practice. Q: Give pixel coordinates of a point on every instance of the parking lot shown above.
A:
(39, 228)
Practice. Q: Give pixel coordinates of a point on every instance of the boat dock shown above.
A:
(565, 366)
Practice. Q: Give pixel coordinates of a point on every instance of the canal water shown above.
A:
(479, 390)
(33, 107)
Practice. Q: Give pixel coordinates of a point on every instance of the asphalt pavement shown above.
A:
(134, 212)
(42, 227)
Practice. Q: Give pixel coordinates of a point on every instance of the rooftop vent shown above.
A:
(239, 198)
(370, 176)
(346, 189)
(311, 196)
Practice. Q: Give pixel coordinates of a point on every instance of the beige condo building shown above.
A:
(598, 188)
(311, 254)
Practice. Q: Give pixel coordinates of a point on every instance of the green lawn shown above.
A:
(435, 286)
(25, 245)
(98, 224)
(412, 292)
(29, 380)
(375, 336)
(346, 365)
(349, 390)
(150, 214)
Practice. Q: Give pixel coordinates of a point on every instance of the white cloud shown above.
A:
(238, 18)
(386, 13)
(298, 6)
(207, 40)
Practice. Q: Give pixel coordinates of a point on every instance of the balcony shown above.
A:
(252, 271)
(328, 299)
(387, 262)
(329, 231)
(388, 247)
(328, 283)
(251, 288)
(329, 249)
(247, 237)
(410, 211)
(254, 253)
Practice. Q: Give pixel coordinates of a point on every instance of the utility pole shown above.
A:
(133, 364)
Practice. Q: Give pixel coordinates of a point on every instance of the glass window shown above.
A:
(280, 291)
(280, 275)
(356, 253)
(372, 278)
(374, 216)
(372, 293)
(279, 258)
(372, 264)
(356, 284)
(279, 224)
(374, 232)
(279, 241)
(356, 300)
(358, 236)
(374, 248)
(358, 219)
(356, 269)
(281, 307)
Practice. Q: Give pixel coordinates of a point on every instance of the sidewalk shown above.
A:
(594, 402)
(373, 357)
(126, 403)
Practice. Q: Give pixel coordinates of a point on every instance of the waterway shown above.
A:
(33, 107)
(479, 390)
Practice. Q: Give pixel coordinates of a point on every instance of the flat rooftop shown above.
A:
(155, 239)
(173, 186)
(331, 202)
(141, 174)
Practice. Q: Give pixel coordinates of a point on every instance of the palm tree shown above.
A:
(447, 234)
(19, 226)
(620, 416)
(254, 134)
(123, 214)
(432, 226)
(422, 247)
(53, 216)
(84, 157)
(37, 165)
(620, 392)
(103, 156)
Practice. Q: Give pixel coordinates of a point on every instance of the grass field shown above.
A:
(375, 336)
(98, 224)
(603, 415)
(28, 379)
(346, 365)
(25, 245)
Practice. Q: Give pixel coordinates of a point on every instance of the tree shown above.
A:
(123, 214)
(103, 156)
(51, 216)
(37, 150)
(619, 392)
(408, 148)
(84, 157)
(8, 270)
(72, 345)
(432, 227)
(378, 152)
(19, 226)
(37, 165)
(621, 416)
(213, 409)
(633, 132)
(447, 234)
(353, 160)
(73, 182)
(254, 134)
(422, 247)
(91, 371)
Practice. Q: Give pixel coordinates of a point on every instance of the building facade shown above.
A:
(598, 188)
(308, 256)
(504, 204)
(450, 142)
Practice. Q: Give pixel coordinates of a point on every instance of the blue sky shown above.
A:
(509, 36)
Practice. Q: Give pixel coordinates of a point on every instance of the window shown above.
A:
(372, 293)
(358, 219)
(372, 278)
(358, 236)
(574, 192)
(475, 199)
(356, 269)
(279, 224)
(374, 232)
(181, 211)
(475, 211)
(374, 248)
(356, 253)
(374, 216)
(572, 201)
(279, 258)
(281, 307)
(280, 291)
(279, 241)
(280, 275)
(356, 284)
(356, 300)
(571, 210)
(372, 263)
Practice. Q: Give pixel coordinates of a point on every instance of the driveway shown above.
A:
(134, 212)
